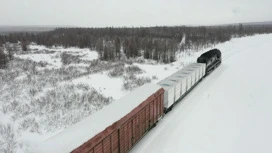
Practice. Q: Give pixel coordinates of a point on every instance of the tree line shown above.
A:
(158, 43)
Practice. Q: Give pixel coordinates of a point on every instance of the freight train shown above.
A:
(119, 126)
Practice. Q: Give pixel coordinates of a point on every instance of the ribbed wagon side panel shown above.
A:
(169, 93)
(200, 72)
(166, 99)
(204, 69)
(188, 78)
(107, 145)
(130, 134)
(158, 108)
(147, 113)
(182, 80)
(98, 148)
(201, 67)
(151, 117)
(115, 142)
(122, 140)
(126, 137)
(183, 86)
(162, 104)
(176, 84)
(136, 127)
(121, 136)
(197, 73)
(189, 83)
(171, 96)
(198, 68)
(143, 121)
(155, 107)
(193, 77)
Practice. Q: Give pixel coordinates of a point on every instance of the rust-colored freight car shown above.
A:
(125, 133)
(143, 108)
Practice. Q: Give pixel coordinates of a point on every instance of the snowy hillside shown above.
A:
(229, 111)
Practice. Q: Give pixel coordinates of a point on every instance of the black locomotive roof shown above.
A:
(211, 53)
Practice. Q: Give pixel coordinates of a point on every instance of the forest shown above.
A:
(158, 43)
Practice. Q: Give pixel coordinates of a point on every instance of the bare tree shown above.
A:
(99, 47)
(24, 45)
(240, 29)
(3, 59)
(117, 42)
(11, 48)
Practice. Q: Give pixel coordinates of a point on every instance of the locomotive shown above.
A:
(119, 126)
(211, 58)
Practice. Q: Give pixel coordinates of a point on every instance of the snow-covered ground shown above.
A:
(52, 55)
(73, 91)
(229, 111)
(102, 82)
(110, 87)
(40, 95)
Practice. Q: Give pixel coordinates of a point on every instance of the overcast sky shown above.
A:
(101, 13)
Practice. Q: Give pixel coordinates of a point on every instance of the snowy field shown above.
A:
(45, 90)
(228, 112)
(52, 55)
(40, 96)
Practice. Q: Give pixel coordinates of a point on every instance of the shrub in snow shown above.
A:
(29, 124)
(67, 105)
(69, 58)
(94, 63)
(140, 60)
(129, 62)
(29, 66)
(132, 82)
(5, 109)
(117, 71)
(35, 51)
(100, 66)
(42, 64)
(7, 139)
(65, 100)
(28, 92)
(68, 73)
(130, 77)
(134, 70)
(33, 91)
(154, 77)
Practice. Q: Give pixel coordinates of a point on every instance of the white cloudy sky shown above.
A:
(101, 13)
